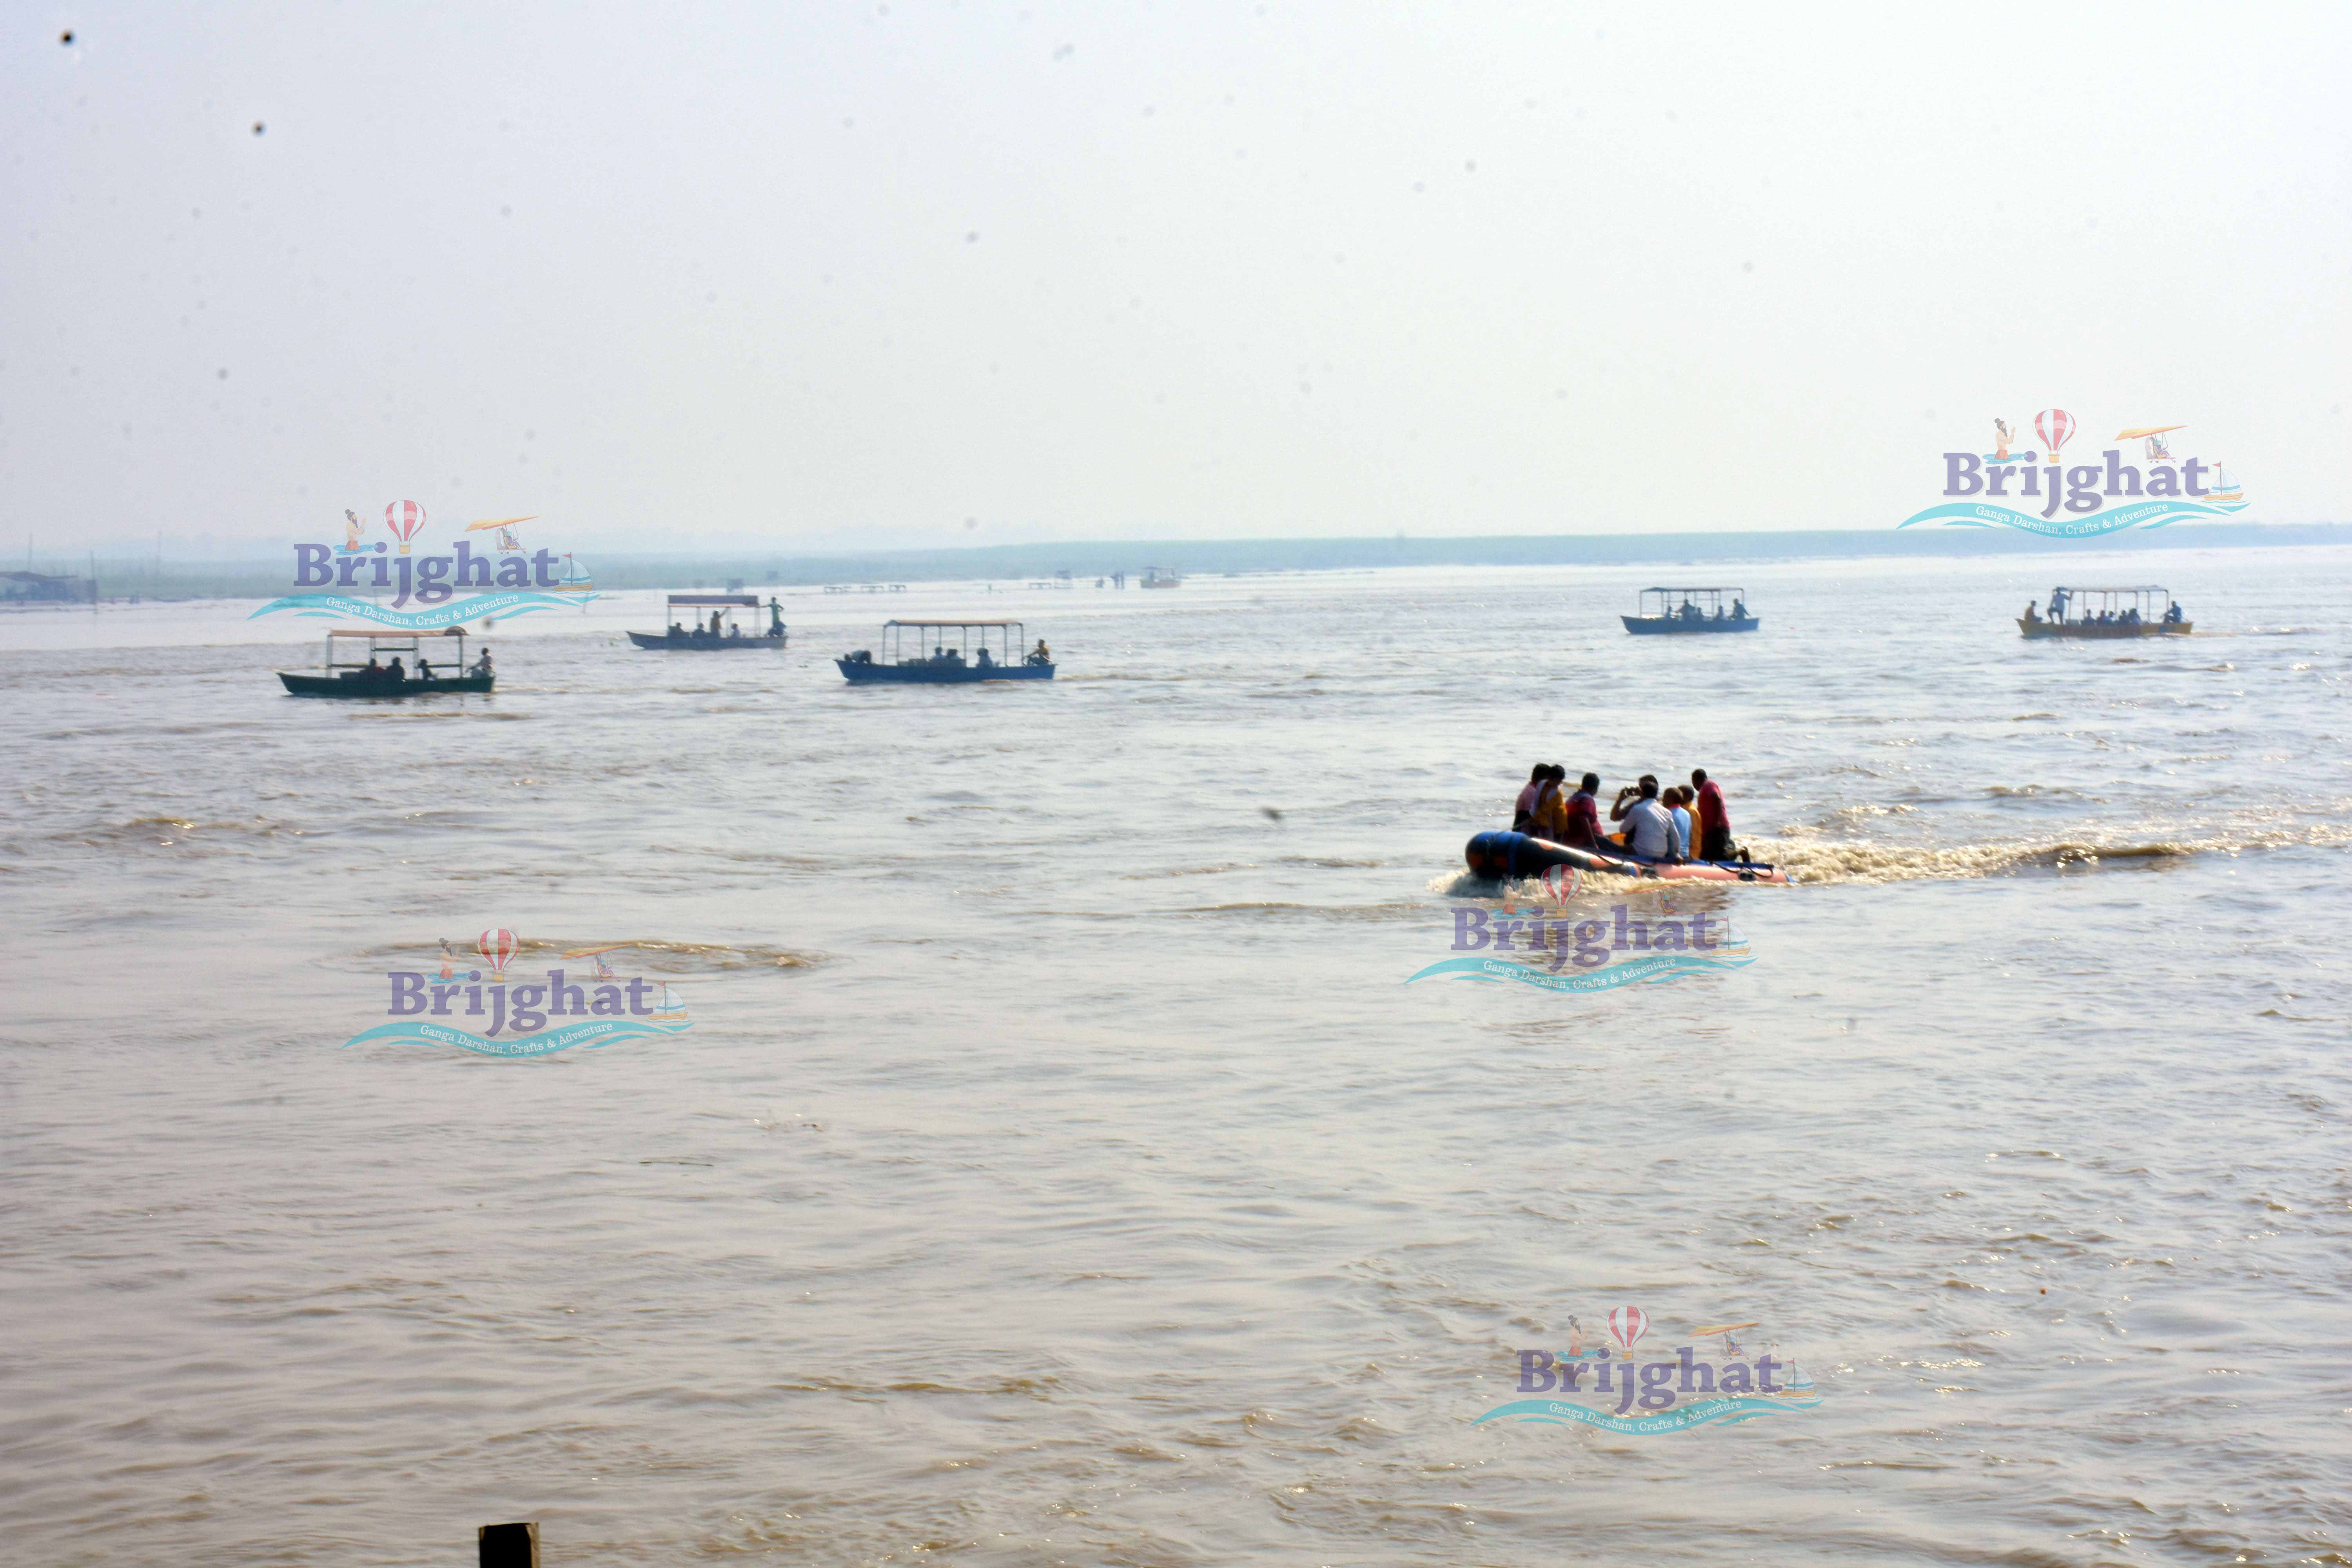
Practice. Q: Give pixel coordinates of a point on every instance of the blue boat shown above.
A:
(956, 655)
(1680, 611)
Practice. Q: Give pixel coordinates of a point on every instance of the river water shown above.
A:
(1060, 1165)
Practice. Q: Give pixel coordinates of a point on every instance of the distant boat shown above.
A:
(1161, 577)
(1675, 612)
(352, 678)
(704, 638)
(2097, 613)
(951, 659)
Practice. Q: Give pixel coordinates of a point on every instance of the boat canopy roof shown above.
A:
(1742, 592)
(942, 624)
(739, 601)
(393, 632)
(2143, 588)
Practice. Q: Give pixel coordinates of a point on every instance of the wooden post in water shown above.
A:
(509, 1545)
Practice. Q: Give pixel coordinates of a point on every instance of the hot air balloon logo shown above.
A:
(1561, 882)
(401, 518)
(498, 950)
(1627, 1325)
(2054, 425)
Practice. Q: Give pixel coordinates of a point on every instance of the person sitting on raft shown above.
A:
(1676, 800)
(1580, 826)
(1523, 810)
(1714, 820)
(1552, 807)
(1649, 831)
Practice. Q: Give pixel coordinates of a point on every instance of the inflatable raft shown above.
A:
(1499, 855)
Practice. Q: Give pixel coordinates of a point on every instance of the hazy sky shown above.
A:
(926, 274)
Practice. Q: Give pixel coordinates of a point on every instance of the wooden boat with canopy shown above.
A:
(361, 660)
(1674, 612)
(949, 653)
(2143, 612)
(722, 634)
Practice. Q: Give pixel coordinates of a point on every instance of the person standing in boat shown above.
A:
(482, 665)
(1713, 818)
(775, 617)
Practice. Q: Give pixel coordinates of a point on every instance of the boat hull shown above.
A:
(1668, 625)
(336, 686)
(1498, 855)
(858, 674)
(2096, 630)
(654, 642)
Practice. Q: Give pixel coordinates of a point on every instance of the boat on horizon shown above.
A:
(1680, 612)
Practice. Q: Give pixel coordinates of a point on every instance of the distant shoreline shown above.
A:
(242, 579)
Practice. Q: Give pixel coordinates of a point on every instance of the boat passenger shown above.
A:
(1714, 820)
(1548, 817)
(1718, 612)
(1581, 829)
(1649, 831)
(775, 617)
(1523, 810)
(1040, 655)
(2172, 615)
(676, 630)
(423, 668)
(1678, 803)
(734, 631)
(2031, 612)
(482, 665)
(1739, 609)
(984, 661)
(396, 674)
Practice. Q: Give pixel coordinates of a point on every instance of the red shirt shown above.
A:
(1583, 830)
(1711, 813)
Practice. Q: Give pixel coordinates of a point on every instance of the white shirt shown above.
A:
(1649, 831)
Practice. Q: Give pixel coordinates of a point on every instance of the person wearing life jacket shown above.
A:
(1523, 810)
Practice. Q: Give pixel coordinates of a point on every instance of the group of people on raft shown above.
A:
(1683, 822)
